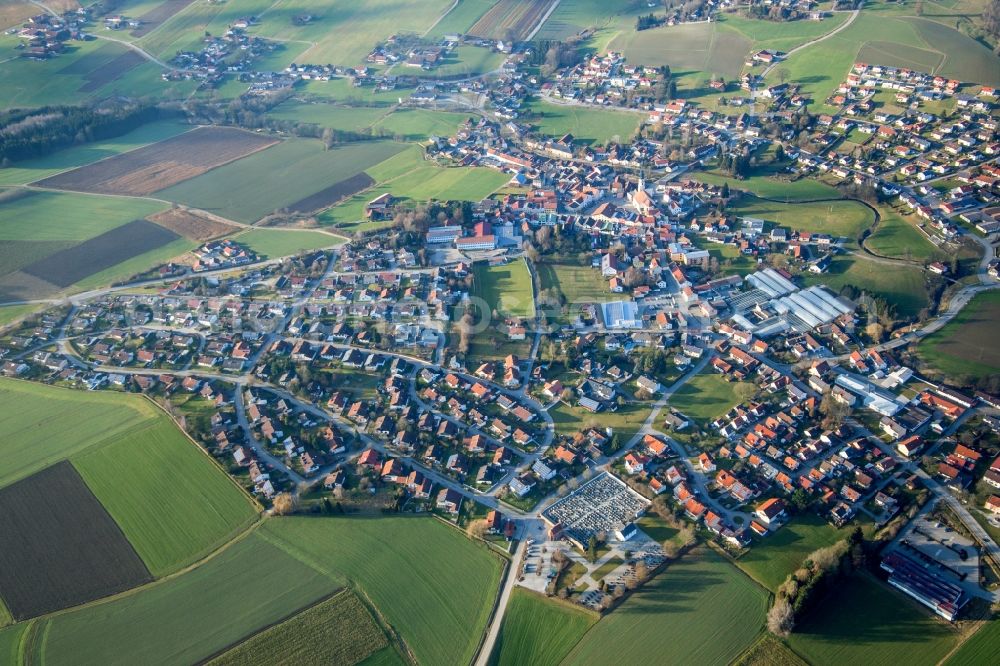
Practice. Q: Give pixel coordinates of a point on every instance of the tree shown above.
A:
(284, 504)
(781, 618)
(476, 528)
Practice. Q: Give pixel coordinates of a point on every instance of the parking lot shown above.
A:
(943, 550)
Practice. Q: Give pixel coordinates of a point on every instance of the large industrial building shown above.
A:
(775, 305)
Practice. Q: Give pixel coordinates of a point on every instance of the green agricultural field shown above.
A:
(980, 649)
(34, 440)
(273, 243)
(461, 17)
(29, 171)
(701, 610)
(344, 118)
(772, 558)
(505, 288)
(586, 124)
(689, 48)
(63, 216)
(965, 346)
(778, 35)
(900, 284)
(339, 630)
(172, 501)
(433, 585)
(867, 622)
(538, 631)
(9, 313)
(408, 176)
(837, 218)
(578, 284)
(707, 396)
(257, 185)
(769, 651)
(899, 238)
(249, 585)
(420, 124)
(10, 643)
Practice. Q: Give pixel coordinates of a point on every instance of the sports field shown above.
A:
(579, 284)
(586, 124)
(273, 243)
(505, 288)
(965, 346)
(431, 583)
(249, 189)
(772, 558)
(701, 610)
(867, 622)
(172, 501)
(705, 397)
(338, 630)
(538, 630)
(249, 585)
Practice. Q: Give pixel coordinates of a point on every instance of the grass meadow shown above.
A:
(837, 218)
(705, 397)
(586, 124)
(965, 345)
(700, 610)
(579, 284)
(771, 559)
(538, 630)
(282, 242)
(901, 285)
(980, 648)
(867, 622)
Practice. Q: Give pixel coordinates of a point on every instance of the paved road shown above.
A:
(486, 649)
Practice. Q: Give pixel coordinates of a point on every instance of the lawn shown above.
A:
(432, 584)
(965, 346)
(464, 61)
(655, 528)
(578, 284)
(586, 124)
(538, 631)
(22, 173)
(606, 568)
(505, 288)
(979, 649)
(900, 284)
(772, 558)
(273, 243)
(705, 397)
(701, 610)
(172, 501)
(244, 588)
(867, 622)
(339, 630)
(259, 184)
(625, 421)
